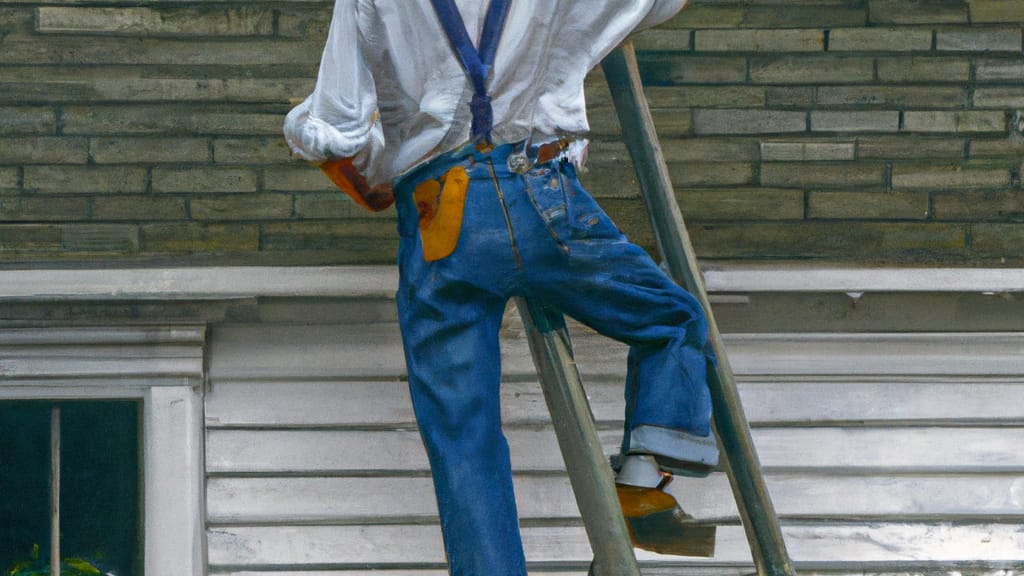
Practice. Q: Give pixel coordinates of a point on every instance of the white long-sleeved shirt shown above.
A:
(391, 92)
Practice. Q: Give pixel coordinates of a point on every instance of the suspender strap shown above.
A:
(476, 61)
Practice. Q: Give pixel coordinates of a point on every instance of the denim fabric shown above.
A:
(538, 235)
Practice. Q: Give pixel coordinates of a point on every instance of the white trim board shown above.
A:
(235, 282)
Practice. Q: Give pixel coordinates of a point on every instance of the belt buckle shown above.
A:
(519, 162)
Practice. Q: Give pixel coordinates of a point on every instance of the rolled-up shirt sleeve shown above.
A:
(339, 118)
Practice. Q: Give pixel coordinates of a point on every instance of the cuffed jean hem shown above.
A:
(674, 444)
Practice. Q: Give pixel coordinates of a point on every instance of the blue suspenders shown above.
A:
(476, 61)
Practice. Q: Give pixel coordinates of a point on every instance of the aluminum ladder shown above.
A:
(589, 471)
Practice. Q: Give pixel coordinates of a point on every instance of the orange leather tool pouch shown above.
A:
(440, 204)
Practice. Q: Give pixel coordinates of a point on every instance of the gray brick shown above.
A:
(1001, 97)
(152, 22)
(815, 175)
(1002, 147)
(30, 209)
(918, 11)
(893, 96)
(663, 69)
(814, 15)
(924, 69)
(196, 238)
(879, 40)
(790, 96)
(611, 180)
(1005, 241)
(138, 208)
(979, 40)
(702, 15)
(43, 150)
(308, 24)
(709, 150)
(975, 206)
(732, 203)
(57, 179)
(847, 241)
(100, 238)
(807, 151)
(855, 121)
(958, 121)
(92, 50)
(672, 122)
(149, 150)
(909, 147)
(19, 120)
(300, 177)
(176, 119)
(945, 177)
(997, 11)
(1000, 70)
(251, 151)
(706, 97)
(662, 40)
(204, 179)
(8, 179)
(711, 174)
(748, 121)
(17, 239)
(241, 207)
(333, 205)
(133, 89)
(794, 40)
(844, 205)
(812, 70)
(377, 237)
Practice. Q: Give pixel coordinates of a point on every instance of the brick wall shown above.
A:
(845, 130)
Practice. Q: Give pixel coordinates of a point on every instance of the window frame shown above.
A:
(172, 425)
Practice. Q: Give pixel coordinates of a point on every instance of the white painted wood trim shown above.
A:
(234, 282)
(174, 482)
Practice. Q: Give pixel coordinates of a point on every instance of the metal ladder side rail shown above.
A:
(593, 482)
(741, 461)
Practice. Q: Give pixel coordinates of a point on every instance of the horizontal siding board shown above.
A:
(352, 403)
(351, 500)
(374, 351)
(931, 448)
(895, 544)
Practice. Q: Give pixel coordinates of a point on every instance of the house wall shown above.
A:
(884, 452)
(853, 130)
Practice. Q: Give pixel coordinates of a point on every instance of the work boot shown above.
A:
(655, 520)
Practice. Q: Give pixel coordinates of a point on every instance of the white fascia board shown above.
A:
(236, 282)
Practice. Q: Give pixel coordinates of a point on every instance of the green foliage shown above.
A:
(35, 566)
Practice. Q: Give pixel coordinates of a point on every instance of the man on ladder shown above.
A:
(480, 143)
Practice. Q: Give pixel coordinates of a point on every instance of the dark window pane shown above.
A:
(24, 480)
(100, 483)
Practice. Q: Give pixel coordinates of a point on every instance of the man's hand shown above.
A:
(379, 197)
(345, 176)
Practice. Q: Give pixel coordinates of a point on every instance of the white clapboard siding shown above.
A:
(883, 452)
(933, 449)
(767, 401)
(259, 546)
(350, 500)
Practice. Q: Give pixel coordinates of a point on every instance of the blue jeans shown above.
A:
(538, 235)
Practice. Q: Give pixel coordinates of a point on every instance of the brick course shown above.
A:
(844, 130)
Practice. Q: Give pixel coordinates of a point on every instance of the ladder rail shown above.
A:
(592, 480)
(742, 464)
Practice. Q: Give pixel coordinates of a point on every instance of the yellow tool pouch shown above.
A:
(440, 204)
